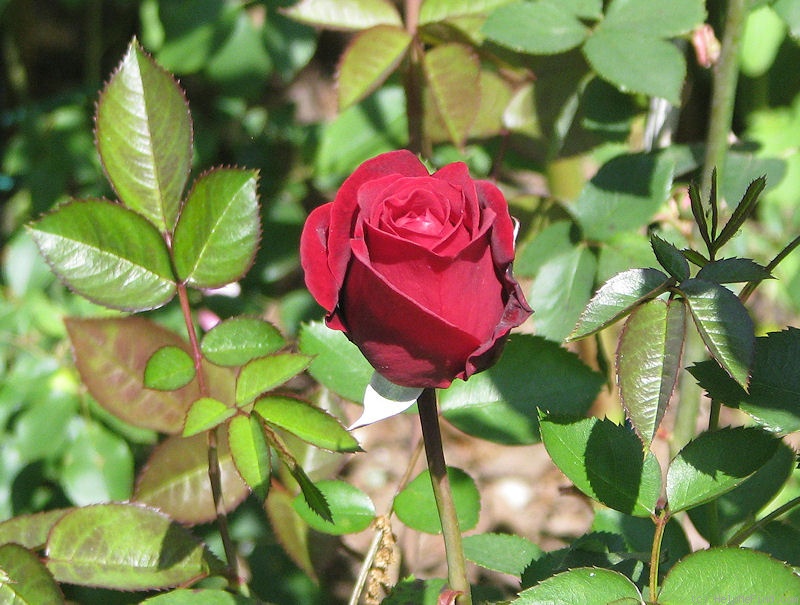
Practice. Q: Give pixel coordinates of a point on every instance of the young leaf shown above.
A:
(724, 325)
(346, 15)
(314, 498)
(24, 578)
(453, 73)
(238, 340)
(648, 362)
(672, 259)
(168, 369)
(144, 136)
(583, 586)
(416, 507)
(540, 28)
(250, 452)
(351, 509)
(714, 463)
(699, 214)
(309, 423)
(618, 297)
(175, 479)
(733, 270)
(745, 574)
(695, 257)
(219, 228)
(605, 461)
(107, 253)
(206, 413)
(368, 60)
(126, 547)
(266, 373)
(505, 553)
(743, 210)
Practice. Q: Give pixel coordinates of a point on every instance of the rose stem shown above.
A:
(432, 436)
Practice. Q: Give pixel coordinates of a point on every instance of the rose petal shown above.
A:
(314, 257)
(457, 174)
(503, 229)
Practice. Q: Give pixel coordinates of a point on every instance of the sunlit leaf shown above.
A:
(345, 14)
(168, 369)
(655, 18)
(352, 510)
(237, 340)
(206, 413)
(506, 553)
(672, 259)
(541, 28)
(432, 11)
(266, 373)
(30, 531)
(250, 452)
(24, 578)
(415, 505)
(582, 586)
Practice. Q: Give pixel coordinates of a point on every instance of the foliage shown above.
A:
(172, 408)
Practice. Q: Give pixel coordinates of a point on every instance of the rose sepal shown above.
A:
(384, 399)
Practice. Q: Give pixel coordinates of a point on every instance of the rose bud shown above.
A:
(415, 268)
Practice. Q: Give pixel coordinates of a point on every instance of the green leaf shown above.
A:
(346, 15)
(266, 373)
(672, 259)
(126, 547)
(714, 463)
(337, 363)
(452, 72)
(500, 404)
(30, 531)
(505, 553)
(774, 385)
(556, 239)
(313, 496)
(732, 270)
(238, 340)
(415, 505)
(250, 452)
(648, 362)
(561, 290)
(24, 579)
(618, 297)
(206, 413)
(351, 509)
(219, 228)
(200, 596)
(624, 194)
(368, 60)
(291, 532)
(779, 539)
(309, 423)
(724, 325)
(144, 136)
(728, 574)
(790, 13)
(635, 62)
(742, 211)
(168, 369)
(175, 479)
(605, 461)
(107, 253)
(654, 18)
(538, 28)
(582, 586)
(433, 11)
(699, 214)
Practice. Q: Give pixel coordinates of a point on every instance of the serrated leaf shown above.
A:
(206, 413)
(742, 211)
(175, 479)
(605, 461)
(699, 214)
(582, 586)
(200, 596)
(635, 62)
(648, 362)
(351, 509)
(654, 18)
(453, 73)
(695, 257)
(669, 257)
(30, 531)
(368, 60)
(219, 228)
(126, 547)
(539, 28)
(505, 553)
(415, 505)
(733, 270)
(251, 454)
(618, 297)
(144, 136)
(24, 579)
(168, 369)
(238, 340)
(732, 574)
(266, 373)
(724, 325)
(432, 11)
(107, 253)
(309, 423)
(314, 498)
(346, 15)
(714, 463)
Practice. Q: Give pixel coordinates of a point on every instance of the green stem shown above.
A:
(432, 436)
(744, 533)
(414, 82)
(723, 94)
(751, 286)
(655, 554)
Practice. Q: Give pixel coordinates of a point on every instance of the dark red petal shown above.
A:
(314, 258)
(503, 228)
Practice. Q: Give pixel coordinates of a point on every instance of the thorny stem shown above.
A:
(214, 471)
(432, 436)
(655, 555)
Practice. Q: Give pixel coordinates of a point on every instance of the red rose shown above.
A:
(416, 269)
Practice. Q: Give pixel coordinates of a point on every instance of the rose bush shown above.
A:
(416, 269)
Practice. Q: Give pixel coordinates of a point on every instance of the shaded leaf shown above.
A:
(714, 463)
(742, 211)
(540, 28)
(505, 553)
(250, 452)
(265, 373)
(351, 509)
(415, 505)
(144, 136)
(107, 253)
(672, 259)
(582, 586)
(345, 14)
(313, 497)
(733, 270)
(168, 369)
(206, 413)
(290, 530)
(24, 579)
(219, 228)
(235, 341)
(200, 596)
